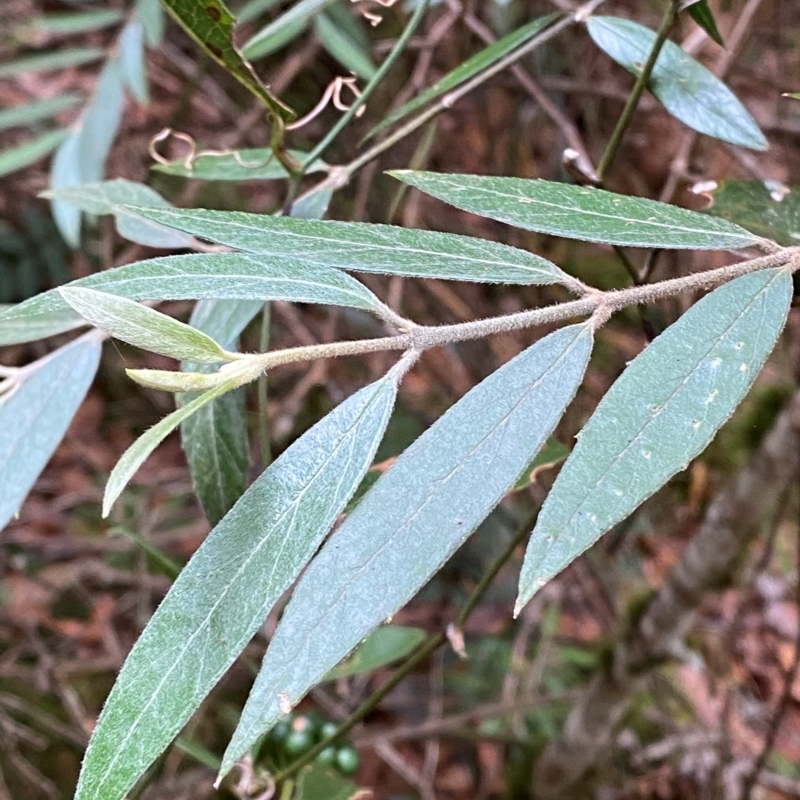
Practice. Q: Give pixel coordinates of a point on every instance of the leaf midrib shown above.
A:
(291, 508)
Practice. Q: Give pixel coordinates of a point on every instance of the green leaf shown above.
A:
(50, 61)
(700, 12)
(224, 320)
(312, 205)
(142, 326)
(151, 14)
(100, 122)
(576, 212)
(689, 91)
(65, 171)
(22, 155)
(228, 588)
(343, 48)
(767, 208)
(215, 438)
(223, 276)
(81, 157)
(106, 197)
(210, 24)
(365, 247)
(660, 414)
(137, 453)
(383, 646)
(31, 113)
(471, 67)
(75, 22)
(131, 56)
(254, 164)
(412, 520)
(35, 414)
(253, 9)
(284, 28)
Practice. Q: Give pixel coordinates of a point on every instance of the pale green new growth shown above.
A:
(144, 327)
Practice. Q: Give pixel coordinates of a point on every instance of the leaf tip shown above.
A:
(109, 498)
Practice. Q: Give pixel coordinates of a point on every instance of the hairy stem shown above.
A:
(422, 337)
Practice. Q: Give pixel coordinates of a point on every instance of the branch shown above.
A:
(600, 304)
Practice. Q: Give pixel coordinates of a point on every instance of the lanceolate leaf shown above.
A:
(210, 24)
(106, 197)
(700, 12)
(346, 50)
(50, 61)
(412, 520)
(365, 248)
(81, 157)
(660, 414)
(131, 56)
(471, 67)
(284, 28)
(31, 113)
(224, 276)
(215, 438)
(384, 645)
(138, 452)
(252, 164)
(73, 22)
(228, 588)
(29, 152)
(35, 415)
(142, 326)
(312, 205)
(577, 212)
(689, 91)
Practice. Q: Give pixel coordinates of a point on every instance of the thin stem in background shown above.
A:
(388, 63)
(341, 175)
(638, 88)
(418, 160)
(783, 703)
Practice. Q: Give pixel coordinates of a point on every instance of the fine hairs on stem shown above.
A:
(601, 304)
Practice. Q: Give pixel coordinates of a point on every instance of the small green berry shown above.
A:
(327, 756)
(327, 729)
(281, 730)
(347, 760)
(297, 742)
